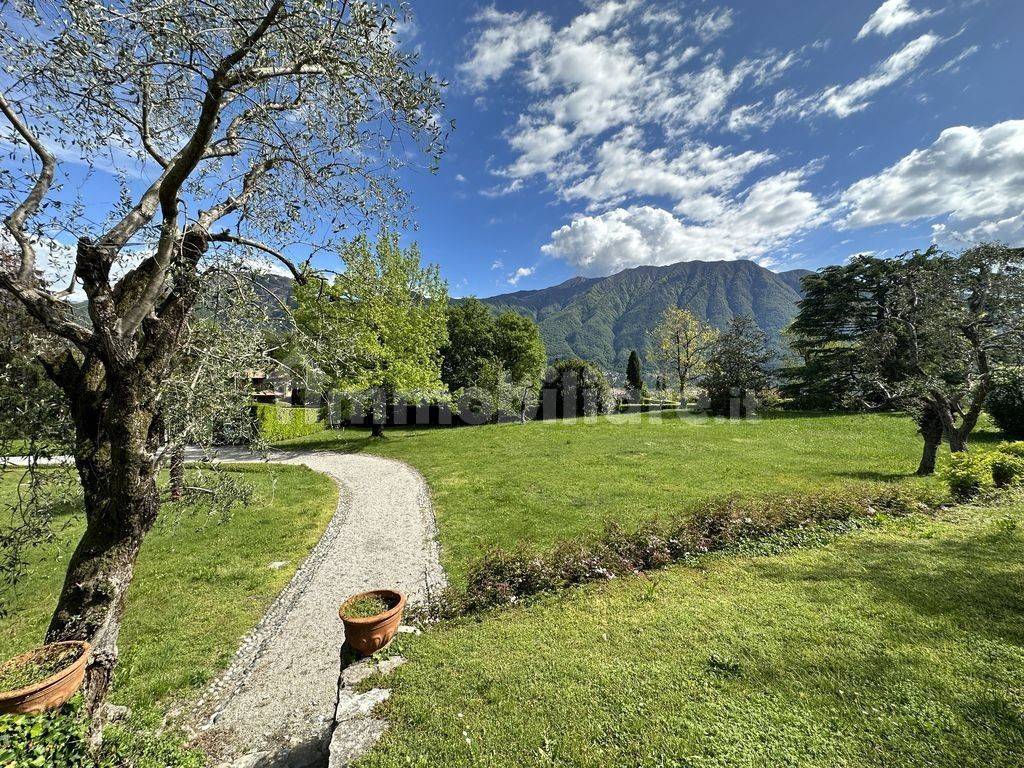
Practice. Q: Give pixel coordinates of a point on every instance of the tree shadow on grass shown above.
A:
(973, 581)
(876, 476)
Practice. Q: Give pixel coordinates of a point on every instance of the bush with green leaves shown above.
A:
(61, 738)
(968, 474)
(503, 577)
(1007, 470)
(1013, 449)
(51, 739)
(283, 422)
(1005, 403)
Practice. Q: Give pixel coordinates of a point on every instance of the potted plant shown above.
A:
(42, 679)
(372, 619)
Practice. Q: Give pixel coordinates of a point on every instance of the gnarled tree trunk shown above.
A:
(116, 460)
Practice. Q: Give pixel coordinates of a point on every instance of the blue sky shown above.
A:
(596, 136)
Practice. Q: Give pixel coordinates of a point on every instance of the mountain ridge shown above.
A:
(602, 318)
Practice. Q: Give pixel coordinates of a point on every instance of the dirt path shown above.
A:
(276, 705)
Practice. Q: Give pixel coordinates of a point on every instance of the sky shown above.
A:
(594, 136)
(598, 136)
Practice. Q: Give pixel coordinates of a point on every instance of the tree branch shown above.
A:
(227, 237)
(15, 222)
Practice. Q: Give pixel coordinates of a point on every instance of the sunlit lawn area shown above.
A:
(901, 645)
(202, 582)
(542, 482)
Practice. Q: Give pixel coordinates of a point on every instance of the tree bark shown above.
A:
(116, 441)
(931, 431)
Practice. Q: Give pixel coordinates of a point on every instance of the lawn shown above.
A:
(900, 645)
(539, 483)
(202, 582)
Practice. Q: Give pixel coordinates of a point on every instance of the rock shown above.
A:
(358, 705)
(253, 760)
(389, 665)
(113, 713)
(277, 565)
(353, 739)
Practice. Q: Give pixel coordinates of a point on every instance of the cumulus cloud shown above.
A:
(770, 211)
(519, 274)
(890, 16)
(621, 63)
(973, 178)
(690, 177)
(502, 38)
(619, 100)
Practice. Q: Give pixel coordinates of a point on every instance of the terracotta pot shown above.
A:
(369, 635)
(52, 692)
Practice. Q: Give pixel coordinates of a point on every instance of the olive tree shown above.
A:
(926, 331)
(258, 124)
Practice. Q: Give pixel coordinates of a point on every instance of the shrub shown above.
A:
(60, 738)
(581, 389)
(1013, 449)
(283, 422)
(501, 577)
(1007, 470)
(1005, 403)
(55, 738)
(968, 474)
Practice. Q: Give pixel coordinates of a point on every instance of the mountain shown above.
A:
(602, 319)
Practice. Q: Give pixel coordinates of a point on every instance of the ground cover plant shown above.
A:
(896, 645)
(365, 607)
(544, 482)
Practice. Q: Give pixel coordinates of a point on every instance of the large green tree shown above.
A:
(380, 324)
(470, 343)
(682, 343)
(738, 367)
(519, 349)
(259, 125)
(926, 331)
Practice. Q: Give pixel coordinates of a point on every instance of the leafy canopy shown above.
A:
(381, 322)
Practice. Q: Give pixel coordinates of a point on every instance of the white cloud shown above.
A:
(838, 100)
(497, 264)
(519, 274)
(890, 16)
(844, 101)
(971, 177)
(618, 100)
(502, 39)
(689, 177)
(460, 178)
(953, 65)
(712, 24)
(770, 212)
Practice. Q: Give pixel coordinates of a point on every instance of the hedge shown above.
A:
(283, 422)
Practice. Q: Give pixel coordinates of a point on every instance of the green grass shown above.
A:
(901, 645)
(201, 583)
(539, 483)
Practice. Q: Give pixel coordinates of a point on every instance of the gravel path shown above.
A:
(277, 703)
